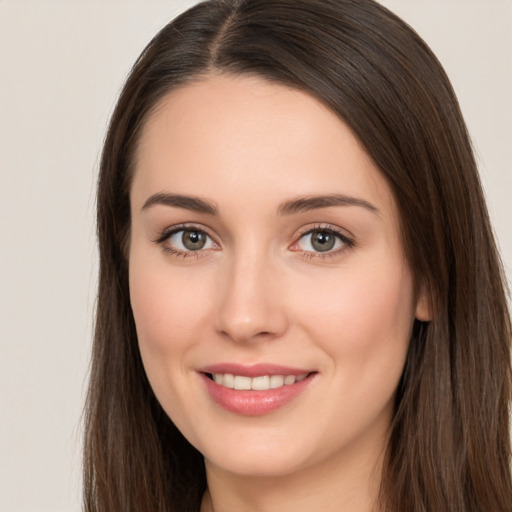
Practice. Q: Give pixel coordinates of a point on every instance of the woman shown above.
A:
(301, 305)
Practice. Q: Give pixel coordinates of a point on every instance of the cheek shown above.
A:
(169, 313)
(365, 330)
(167, 309)
(168, 316)
(365, 325)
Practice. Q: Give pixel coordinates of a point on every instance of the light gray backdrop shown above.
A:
(61, 66)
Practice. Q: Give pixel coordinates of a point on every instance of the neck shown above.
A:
(344, 483)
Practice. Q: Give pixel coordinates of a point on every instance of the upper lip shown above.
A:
(253, 370)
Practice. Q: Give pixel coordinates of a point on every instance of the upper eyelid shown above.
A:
(171, 230)
(325, 227)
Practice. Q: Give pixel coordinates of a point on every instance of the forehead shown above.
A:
(241, 137)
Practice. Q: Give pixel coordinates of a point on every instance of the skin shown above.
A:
(259, 292)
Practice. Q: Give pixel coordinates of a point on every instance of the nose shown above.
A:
(249, 306)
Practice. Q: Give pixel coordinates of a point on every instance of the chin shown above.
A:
(254, 456)
(263, 465)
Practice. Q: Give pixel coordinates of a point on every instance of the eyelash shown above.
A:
(348, 242)
(167, 233)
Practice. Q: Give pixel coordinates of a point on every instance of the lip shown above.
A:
(252, 402)
(254, 370)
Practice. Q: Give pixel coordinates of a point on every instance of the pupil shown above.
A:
(193, 240)
(323, 241)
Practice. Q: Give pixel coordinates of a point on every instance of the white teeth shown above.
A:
(289, 379)
(242, 382)
(228, 381)
(276, 381)
(261, 383)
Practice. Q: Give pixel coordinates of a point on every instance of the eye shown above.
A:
(186, 240)
(323, 240)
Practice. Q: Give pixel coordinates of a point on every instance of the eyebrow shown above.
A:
(298, 205)
(195, 204)
(304, 204)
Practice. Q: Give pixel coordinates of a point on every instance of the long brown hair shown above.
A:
(450, 446)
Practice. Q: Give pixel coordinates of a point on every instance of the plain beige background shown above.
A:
(62, 63)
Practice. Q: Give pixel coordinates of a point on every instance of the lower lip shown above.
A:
(255, 403)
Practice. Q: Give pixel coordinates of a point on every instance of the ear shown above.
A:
(423, 310)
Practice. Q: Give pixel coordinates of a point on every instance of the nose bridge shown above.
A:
(249, 300)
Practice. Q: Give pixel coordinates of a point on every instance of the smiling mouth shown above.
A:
(259, 383)
(255, 390)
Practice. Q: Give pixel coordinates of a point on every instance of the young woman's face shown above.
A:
(265, 251)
